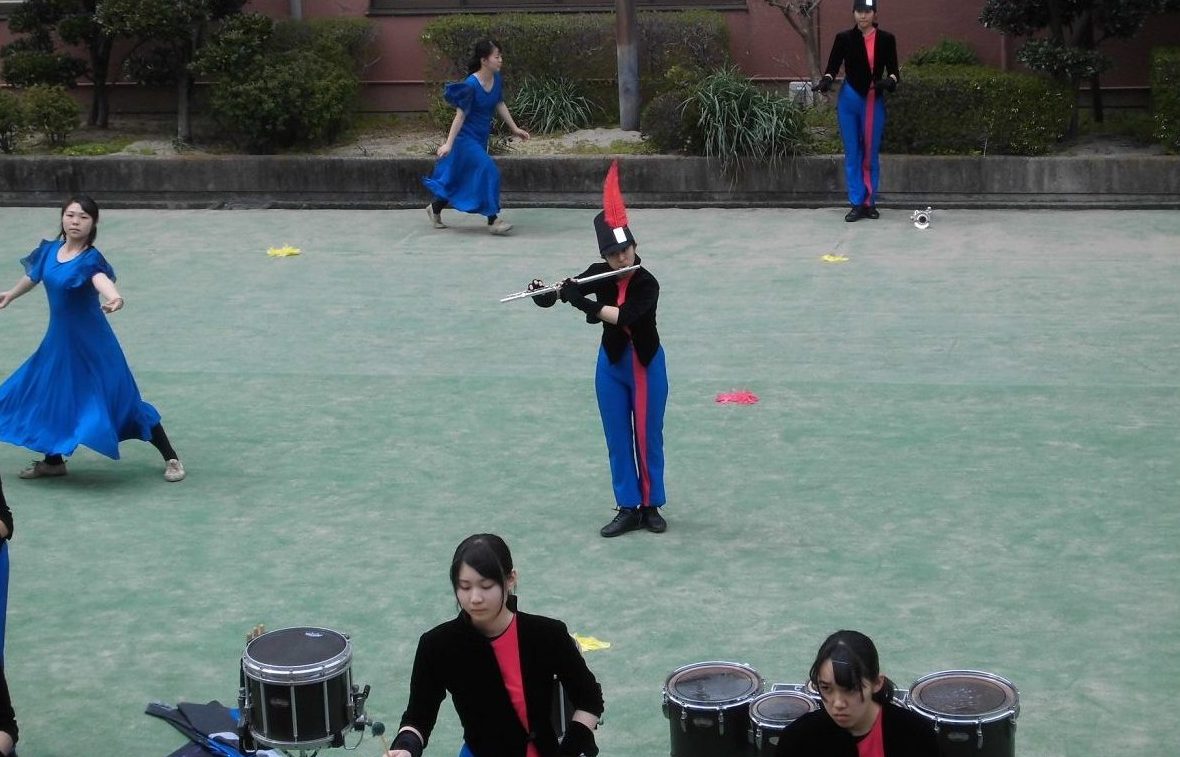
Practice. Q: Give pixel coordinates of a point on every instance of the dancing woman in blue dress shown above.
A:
(77, 387)
(465, 177)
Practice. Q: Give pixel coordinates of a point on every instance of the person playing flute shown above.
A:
(631, 380)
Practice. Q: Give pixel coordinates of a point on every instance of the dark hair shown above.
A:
(89, 207)
(854, 659)
(482, 49)
(488, 555)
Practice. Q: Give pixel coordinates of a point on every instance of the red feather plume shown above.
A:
(612, 198)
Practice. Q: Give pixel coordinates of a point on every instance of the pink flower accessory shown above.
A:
(736, 398)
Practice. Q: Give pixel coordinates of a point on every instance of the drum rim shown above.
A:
(764, 722)
(718, 704)
(990, 716)
(324, 670)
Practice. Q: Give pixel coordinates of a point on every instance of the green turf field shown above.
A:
(967, 446)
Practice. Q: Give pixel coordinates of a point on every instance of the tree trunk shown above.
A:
(627, 43)
(100, 62)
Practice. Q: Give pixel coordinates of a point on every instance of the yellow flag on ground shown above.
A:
(589, 643)
(285, 251)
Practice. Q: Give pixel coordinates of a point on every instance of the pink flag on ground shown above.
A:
(736, 398)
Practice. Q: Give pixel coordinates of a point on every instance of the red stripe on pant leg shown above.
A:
(639, 372)
(867, 166)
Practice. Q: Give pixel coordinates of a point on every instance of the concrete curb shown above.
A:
(567, 181)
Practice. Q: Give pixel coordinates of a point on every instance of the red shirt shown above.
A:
(507, 649)
(872, 744)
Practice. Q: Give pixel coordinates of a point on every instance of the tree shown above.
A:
(803, 16)
(168, 35)
(1073, 31)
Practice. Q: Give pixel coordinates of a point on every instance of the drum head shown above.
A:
(964, 695)
(713, 684)
(291, 655)
(779, 709)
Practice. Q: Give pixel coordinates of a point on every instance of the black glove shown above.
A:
(823, 85)
(534, 285)
(409, 741)
(568, 291)
(887, 84)
(578, 740)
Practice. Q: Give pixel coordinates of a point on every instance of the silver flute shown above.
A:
(555, 287)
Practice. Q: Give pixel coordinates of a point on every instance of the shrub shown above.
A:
(737, 119)
(52, 112)
(24, 67)
(947, 52)
(1165, 96)
(955, 110)
(12, 121)
(552, 105)
(284, 85)
(668, 123)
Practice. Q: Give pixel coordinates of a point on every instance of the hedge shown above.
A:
(578, 47)
(971, 110)
(1165, 95)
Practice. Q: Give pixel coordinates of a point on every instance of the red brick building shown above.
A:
(761, 41)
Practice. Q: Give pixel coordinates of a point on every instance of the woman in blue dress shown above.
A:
(465, 177)
(77, 387)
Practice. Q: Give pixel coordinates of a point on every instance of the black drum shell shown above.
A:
(764, 731)
(700, 728)
(299, 687)
(973, 714)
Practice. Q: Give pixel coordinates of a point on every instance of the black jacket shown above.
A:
(638, 314)
(455, 657)
(906, 734)
(849, 50)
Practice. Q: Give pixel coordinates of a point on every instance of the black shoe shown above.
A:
(871, 213)
(854, 215)
(653, 521)
(627, 519)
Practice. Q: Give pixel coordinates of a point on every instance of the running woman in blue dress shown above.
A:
(465, 177)
(77, 387)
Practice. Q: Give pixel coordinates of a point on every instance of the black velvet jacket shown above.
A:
(455, 657)
(849, 49)
(637, 314)
(906, 734)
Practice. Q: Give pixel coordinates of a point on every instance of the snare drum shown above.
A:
(298, 687)
(974, 713)
(772, 712)
(708, 708)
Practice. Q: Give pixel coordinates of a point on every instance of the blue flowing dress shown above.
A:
(77, 387)
(466, 177)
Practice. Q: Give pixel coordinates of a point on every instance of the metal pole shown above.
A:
(297, 10)
(627, 43)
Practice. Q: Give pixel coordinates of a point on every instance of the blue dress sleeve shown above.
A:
(35, 260)
(461, 94)
(90, 263)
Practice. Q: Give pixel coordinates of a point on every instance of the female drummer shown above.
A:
(499, 665)
(859, 717)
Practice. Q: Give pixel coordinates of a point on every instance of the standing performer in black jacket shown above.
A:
(859, 717)
(869, 57)
(631, 379)
(499, 665)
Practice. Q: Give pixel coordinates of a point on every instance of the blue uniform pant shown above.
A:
(631, 401)
(862, 122)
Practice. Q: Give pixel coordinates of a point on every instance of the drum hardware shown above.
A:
(922, 218)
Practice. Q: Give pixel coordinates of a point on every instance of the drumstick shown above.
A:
(379, 732)
(555, 287)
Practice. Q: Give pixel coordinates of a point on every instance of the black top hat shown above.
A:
(864, 5)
